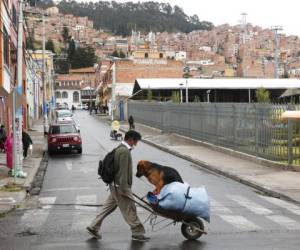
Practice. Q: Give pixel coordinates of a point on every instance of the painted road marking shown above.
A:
(218, 208)
(83, 200)
(69, 165)
(240, 222)
(250, 205)
(34, 219)
(70, 189)
(82, 220)
(283, 204)
(7, 200)
(284, 222)
(47, 202)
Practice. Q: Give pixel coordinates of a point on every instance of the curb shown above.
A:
(201, 164)
(27, 187)
(37, 181)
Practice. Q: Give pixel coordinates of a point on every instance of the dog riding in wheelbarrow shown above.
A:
(174, 199)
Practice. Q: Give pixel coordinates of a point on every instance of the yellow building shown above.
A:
(37, 56)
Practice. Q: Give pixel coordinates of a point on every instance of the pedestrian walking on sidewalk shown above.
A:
(131, 123)
(2, 137)
(120, 191)
(26, 140)
(9, 152)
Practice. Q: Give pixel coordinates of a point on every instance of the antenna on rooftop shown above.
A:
(276, 30)
(244, 26)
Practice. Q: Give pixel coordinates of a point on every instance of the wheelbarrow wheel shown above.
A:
(192, 229)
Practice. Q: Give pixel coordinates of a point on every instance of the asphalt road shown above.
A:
(241, 218)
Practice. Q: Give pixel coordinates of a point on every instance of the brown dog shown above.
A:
(157, 175)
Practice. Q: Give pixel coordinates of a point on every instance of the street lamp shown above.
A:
(181, 84)
(208, 92)
(186, 91)
(186, 71)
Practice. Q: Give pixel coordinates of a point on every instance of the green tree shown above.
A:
(71, 50)
(29, 43)
(262, 95)
(122, 54)
(149, 95)
(122, 18)
(62, 66)
(175, 97)
(50, 46)
(66, 36)
(115, 53)
(196, 98)
(83, 57)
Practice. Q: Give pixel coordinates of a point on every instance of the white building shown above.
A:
(33, 90)
(180, 55)
(67, 90)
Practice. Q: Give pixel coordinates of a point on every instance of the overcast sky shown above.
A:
(265, 13)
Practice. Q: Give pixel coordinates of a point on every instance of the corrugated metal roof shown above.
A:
(178, 83)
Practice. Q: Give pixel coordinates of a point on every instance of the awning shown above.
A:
(290, 92)
(295, 115)
(3, 92)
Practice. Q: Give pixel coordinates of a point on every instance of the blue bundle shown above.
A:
(181, 197)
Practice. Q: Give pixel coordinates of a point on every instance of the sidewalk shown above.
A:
(10, 199)
(271, 180)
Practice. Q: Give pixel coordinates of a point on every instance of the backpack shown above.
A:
(106, 167)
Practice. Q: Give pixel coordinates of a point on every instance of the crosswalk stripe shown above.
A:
(47, 202)
(83, 200)
(283, 204)
(240, 222)
(34, 219)
(218, 208)
(252, 206)
(69, 165)
(284, 222)
(82, 220)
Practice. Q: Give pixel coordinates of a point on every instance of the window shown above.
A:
(63, 129)
(64, 94)
(146, 55)
(5, 46)
(75, 96)
(58, 94)
(161, 55)
(14, 16)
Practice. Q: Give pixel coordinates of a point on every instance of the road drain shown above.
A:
(26, 233)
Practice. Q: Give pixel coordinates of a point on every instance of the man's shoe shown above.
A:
(94, 233)
(141, 238)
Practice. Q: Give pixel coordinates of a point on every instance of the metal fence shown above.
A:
(255, 129)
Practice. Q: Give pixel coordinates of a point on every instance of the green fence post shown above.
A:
(290, 142)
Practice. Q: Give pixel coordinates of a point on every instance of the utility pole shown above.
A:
(276, 34)
(17, 115)
(43, 76)
(113, 90)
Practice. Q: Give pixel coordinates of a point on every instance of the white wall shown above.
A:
(68, 100)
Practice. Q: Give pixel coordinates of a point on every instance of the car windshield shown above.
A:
(63, 129)
(64, 114)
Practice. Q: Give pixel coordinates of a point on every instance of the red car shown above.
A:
(63, 137)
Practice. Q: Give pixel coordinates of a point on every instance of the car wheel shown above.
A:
(79, 151)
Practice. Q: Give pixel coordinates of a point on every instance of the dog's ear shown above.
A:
(139, 169)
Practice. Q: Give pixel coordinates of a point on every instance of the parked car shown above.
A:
(64, 136)
(82, 106)
(64, 116)
(62, 106)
